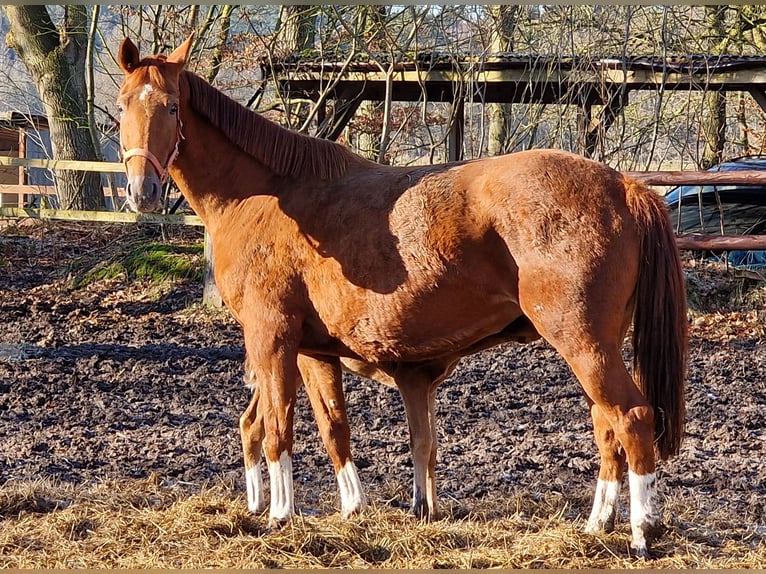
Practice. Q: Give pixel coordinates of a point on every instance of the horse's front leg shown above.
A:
(274, 367)
(323, 382)
(251, 434)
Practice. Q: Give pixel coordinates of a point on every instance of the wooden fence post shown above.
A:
(210, 294)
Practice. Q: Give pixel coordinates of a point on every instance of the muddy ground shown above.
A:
(124, 379)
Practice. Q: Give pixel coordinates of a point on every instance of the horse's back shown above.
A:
(407, 264)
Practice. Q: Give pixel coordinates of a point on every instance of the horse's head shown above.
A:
(150, 126)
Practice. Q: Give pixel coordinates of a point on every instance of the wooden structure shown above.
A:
(13, 143)
(211, 295)
(598, 87)
(21, 194)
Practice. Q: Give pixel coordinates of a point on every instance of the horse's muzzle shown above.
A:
(144, 193)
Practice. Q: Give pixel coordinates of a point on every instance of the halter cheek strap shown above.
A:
(162, 171)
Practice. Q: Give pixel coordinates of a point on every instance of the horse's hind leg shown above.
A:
(607, 383)
(251, 435)
(323, 383)
(417, 386)
(610, 474)
(594, 355)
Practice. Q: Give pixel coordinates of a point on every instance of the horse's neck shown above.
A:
(203, 174)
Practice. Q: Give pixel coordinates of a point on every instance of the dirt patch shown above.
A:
(129, 379)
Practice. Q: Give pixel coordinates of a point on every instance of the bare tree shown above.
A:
(55, 57)
(296, 28)
(714, 111)
(500, 115)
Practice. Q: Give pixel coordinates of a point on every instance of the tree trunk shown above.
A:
(505, 18)
(296, 28)
(714, 103)
(221, 40)
(56, 61)
(370, 20)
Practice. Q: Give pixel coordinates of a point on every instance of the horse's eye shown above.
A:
(120, 109)
(173, 109)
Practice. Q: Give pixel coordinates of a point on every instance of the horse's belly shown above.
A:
(428, 329)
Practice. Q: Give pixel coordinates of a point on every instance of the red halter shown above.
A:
(145, 153)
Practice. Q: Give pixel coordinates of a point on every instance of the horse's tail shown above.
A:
(659, 322)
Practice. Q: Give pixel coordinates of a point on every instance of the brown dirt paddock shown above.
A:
(118, 416)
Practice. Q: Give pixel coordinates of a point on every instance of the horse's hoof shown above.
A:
(256, 507)
(423, 513)
(640, 553)
(643, 535)
(277, 524)
(598, 527)
(347, 513)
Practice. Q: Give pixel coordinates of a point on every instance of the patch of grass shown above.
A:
(155, 262)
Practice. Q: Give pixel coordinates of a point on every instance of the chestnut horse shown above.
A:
(324, 256)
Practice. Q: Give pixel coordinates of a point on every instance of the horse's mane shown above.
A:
(286, 152)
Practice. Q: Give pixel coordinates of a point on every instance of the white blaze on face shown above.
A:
(352, 498)
(281, 483)
(148, 89)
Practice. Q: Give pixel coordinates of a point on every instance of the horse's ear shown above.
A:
(181, 54)
(128, 56)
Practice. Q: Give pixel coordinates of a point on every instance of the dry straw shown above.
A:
(148, 524)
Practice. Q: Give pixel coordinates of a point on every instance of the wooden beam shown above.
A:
(99, 166)
(758, 95)
(749, 177)
(700, 242)
(586, 137)
(210, 294)
(22, 154)
(598, 126)
(455, 136)
(101, 216)
(333, 124)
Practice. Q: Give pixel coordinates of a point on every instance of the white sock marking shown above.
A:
(643, 509)
(281, 483)
(352, 497)
(256, 500)
(604, 506)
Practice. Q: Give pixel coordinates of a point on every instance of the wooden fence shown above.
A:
(691, 242)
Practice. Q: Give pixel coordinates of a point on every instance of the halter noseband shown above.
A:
(163, 172)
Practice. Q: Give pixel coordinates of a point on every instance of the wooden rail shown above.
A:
(76, 165)
(692, 242)
(750, 177)
(101, 216)
(705, 242)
